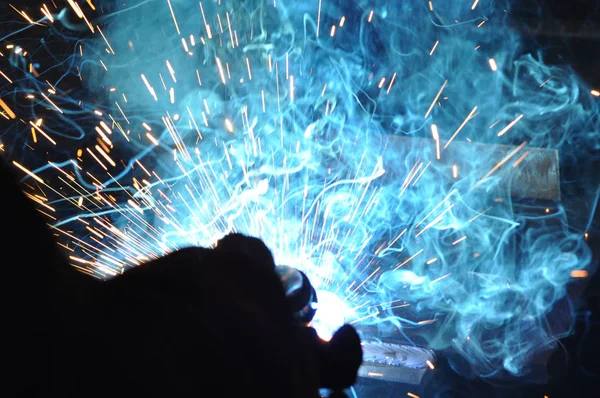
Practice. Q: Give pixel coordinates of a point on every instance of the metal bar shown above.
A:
(395, 362)
(536, 176)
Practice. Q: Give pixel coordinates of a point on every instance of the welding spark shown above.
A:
(327, 146)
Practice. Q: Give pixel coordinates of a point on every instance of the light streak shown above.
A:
(370, 18)
(28, 172)
(392, 80)
(439, 279)
(105, 40)
(408, 260)
(546, 81)
(499, 164)
(52, 103)
(459, 240)
(319, 18)
(435, 221)
(509, 126)
(436, 138)
(221, 73)
(436, 207)
(249, 71)
(105, 156)
(579, 274)
(436, 99)
(174, 18)
(434, 47)
(520, 159)
(150, 88)
(96, 159)
(7, 109)
(42, 132)
(6, 77)
(305, 158)
(463, 124)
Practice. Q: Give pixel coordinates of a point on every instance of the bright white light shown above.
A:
(331, 314)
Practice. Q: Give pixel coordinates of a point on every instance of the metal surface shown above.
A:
(536, 176)
(395, 362)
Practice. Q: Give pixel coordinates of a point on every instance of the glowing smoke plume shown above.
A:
(317, 126)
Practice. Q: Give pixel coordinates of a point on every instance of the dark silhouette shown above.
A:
(195, 322)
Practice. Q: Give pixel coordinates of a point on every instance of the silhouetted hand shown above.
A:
(216, 317)
(197, 321)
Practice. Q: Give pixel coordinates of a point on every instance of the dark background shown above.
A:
(569, 33)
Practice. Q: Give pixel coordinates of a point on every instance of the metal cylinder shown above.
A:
(300, 294)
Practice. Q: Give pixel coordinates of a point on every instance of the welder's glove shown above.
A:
(216, 317)
(194, 322)
(338, 360)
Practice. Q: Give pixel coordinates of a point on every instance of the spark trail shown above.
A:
(341, 133)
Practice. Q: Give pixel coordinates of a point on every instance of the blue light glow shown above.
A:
(331, 314)
(348, 135)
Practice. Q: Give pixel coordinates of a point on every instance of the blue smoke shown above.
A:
(312, 126)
